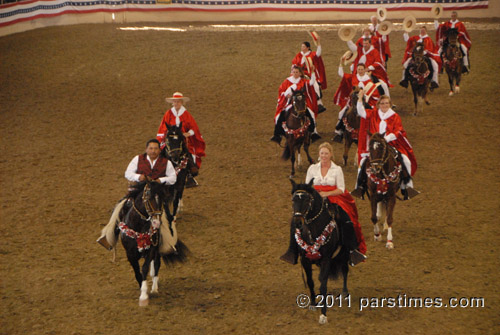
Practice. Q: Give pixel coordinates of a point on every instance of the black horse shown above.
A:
(453, 60)
(319, 240)
(419, 72)
(297, 129)
(176, 150)
(140, 234)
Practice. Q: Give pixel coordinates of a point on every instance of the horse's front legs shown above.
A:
(376, 231)
(306, 149)
(347, 146)
(144, 297)
(307, 266)
(155, 269)
(292, 159)
(323, 279)
(450, 81)
(391, 203)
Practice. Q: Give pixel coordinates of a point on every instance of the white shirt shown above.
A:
(131, 175)
(177, 114)
(334, 176)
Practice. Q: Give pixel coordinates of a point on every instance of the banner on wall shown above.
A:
(34, 9)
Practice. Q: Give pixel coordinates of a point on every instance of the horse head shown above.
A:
(452, 36)
(299, 102)
(418, 53)
(303, 199)
(153, 197)
(378, 152)
(175, 143)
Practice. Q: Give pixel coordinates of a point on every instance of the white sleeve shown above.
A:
(341, 71)
(191, 132)
(361, 109)
(130, 173)
(318, 51)
(389, 137)
(371, 68)
(339, 180)
(384, 38)
(352, 46)
(310, 174)
(436, 24)
(313, 78)
(406, 37)
(170, 175)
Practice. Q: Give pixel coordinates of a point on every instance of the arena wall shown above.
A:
(27, 15)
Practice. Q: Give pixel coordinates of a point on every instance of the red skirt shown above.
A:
(347, 203)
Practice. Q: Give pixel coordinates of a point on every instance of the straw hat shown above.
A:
(177, 96)
(348, 57)
(409, 23)
(314, 36)
(347, 33)
(437, 11)
(381, 14)
(369, 89)
(385, 28)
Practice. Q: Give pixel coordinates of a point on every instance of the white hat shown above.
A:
(346, 33)
(409, 23)
(348, 57)
(315, 36)
(369, 89)
(177, 96)
(381, 14)
(437, 11)
(385, 28)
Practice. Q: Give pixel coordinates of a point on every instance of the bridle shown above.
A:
(303, 216)
(378, 163)
(171, 150)
(150, 209)
(299, 113)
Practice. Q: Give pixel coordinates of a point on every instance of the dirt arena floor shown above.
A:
(78, 102)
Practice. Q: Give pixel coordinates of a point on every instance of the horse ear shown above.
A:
(294, 185)
(310, 182)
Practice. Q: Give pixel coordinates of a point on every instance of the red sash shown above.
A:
(346, 202)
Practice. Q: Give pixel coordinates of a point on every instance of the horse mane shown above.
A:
(377, 137)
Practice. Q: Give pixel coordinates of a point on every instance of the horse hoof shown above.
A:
(323, 319)
(389, 245)
(457, 89)
(143, 302)
(377, 238)
(450, 94)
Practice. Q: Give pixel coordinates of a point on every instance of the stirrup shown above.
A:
(102, 241)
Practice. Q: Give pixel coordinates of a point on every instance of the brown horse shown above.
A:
(383, 170)
(351, 122)
(453, 61)
(296, 129)
(419, 72)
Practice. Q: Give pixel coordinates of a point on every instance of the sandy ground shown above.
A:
(78, 102)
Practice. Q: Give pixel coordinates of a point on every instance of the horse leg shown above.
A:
(144, 297)
(415, 100)
(292, 159)
(307, 266)
(376, 231)
(133, 257)
(323, 279)
(457, 81)
(155, 269)
(390, 210)
(306, 149)
(450, 81)
(347, 145)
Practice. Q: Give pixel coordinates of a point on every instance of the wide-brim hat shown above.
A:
(347, 33)
(349, 57)
(385, 28)
(177, 96)
(314, 36)
(369, 89)
(437, 11)
(381, 14)
(409, 23)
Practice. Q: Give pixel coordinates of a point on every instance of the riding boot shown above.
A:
(433, 85)
(339, 131)
(292, 254)
(190, 181)
(278, 129)
(312, 129)
(361, 183)
(404, 83)
(321, 109)
(191, 166)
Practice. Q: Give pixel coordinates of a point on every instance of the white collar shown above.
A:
(369, 50)
(386, 115)
(294, 80)
(365, 77)
(305, 53)
(150, 161)
(423, 36)
(179, 112)
(454, 22)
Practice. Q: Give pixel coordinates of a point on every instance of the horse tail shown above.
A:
(286, 153)
(338, 263)
(178, 256)
(109, 229)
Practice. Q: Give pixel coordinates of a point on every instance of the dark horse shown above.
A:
(351, 121)
(318, 237)
(419, 72)
(453, 60)
(384, 172)
(296, 129)
(140, 234)
(176, 150)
